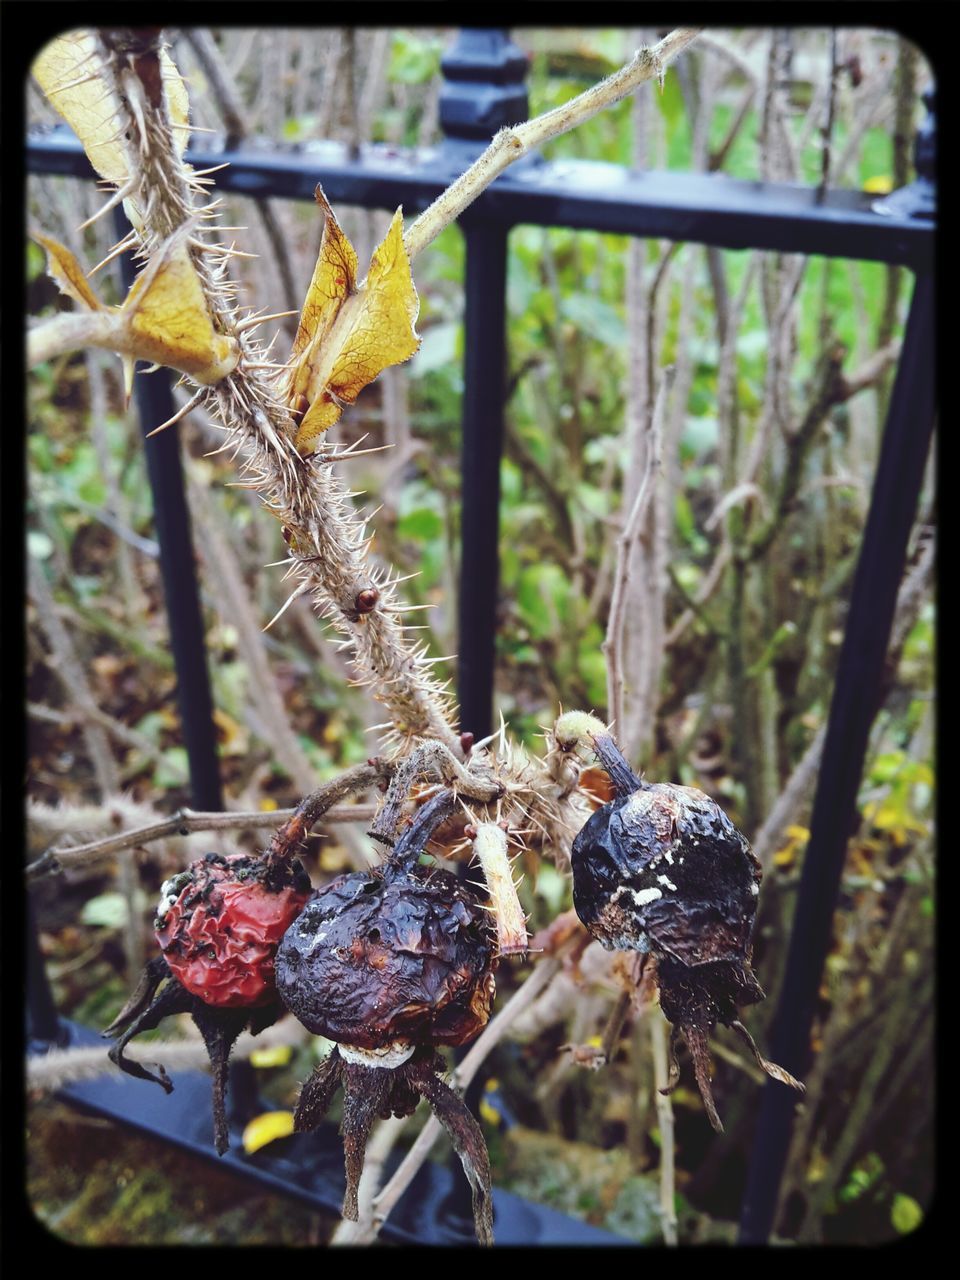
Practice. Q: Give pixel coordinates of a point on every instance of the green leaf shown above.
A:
(414, 61)
(172, 769)
(438, 348)
(594, 317)
(108, 911)
(552, 888)
(699, 436)
(905, 1215)
(593, 670)
(423, 523)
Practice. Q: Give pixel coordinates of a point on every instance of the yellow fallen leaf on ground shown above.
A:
(277, 1055)
(348, 334)
(266, 1128)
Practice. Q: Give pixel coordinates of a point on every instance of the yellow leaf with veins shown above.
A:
(67, 272)
(68, 70)
(164, 318)
(348, 334)
(169, 319)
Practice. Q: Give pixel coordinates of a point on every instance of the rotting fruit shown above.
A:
(218, 925)
(390, 964)
(661, 869)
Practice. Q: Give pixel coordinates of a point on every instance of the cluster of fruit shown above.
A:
(394, 962)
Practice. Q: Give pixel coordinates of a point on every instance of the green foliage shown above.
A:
(905, 1214)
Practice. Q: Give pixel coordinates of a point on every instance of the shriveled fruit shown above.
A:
(218, 925)
(391, 963)
(220, 933)
(662, 869)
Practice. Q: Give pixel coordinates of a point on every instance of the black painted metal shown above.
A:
(178, 565)
(43, 1022)
(484, 85)
(880, 567)
(481, 447)
(307, 1167)
(585, 195)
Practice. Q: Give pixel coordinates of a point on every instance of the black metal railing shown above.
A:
(483, 90)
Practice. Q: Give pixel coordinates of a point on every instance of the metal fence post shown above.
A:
(178, 565)
(483, 90)
(880, 567)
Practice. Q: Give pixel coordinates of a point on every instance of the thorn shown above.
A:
(202, 173)
(253, 321)
(128, 242)
(304, 587)
(119, 195)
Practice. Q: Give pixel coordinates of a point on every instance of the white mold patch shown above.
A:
(667, 883)
(170, 891)
(390, 1056)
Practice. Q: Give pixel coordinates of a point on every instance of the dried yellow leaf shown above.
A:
(267, 1128)
(66, 271)
(169, 319)
(164, 318)
(348, 334)
(68, 70)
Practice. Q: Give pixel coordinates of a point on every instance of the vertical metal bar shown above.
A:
(43, 1021)
(880, 567)
(482, 444)
(178, 567)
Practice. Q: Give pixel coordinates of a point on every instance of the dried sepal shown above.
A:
(164, 319)
(349, 333)
(372, 1092)
(468, 1142)
(490, 846)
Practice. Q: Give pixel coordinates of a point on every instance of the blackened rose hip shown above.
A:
(662, 869)
(390, 964)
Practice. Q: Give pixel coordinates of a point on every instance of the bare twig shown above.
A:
(185, 821)
(434, 760)
(613, 644)
(661, 1081)
(59, 1067)
(512, 143)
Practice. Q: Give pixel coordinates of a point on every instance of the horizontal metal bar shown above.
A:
(584, 195)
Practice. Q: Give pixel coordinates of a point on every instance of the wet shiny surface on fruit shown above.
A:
(373, 960)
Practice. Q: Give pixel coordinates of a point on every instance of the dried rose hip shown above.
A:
(662, 869)
(391, 963)
(218, 924)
